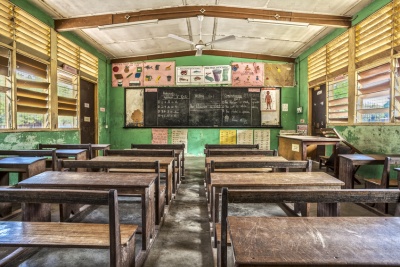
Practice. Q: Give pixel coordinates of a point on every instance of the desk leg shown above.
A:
(328, 209)
(148, 217)
(336, 160)
(304, 151)
(169, 183)
(346, 169)
(36, 212)
(33, 169)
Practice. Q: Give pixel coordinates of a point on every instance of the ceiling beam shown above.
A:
(205, 52)
(209, 11)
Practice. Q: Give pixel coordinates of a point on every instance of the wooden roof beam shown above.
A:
(205, 52)
(209, 11)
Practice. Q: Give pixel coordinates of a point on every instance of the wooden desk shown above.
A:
(96, 148)
(78, 154)
(315, 241)
(24, 166)
(166, 164)
(274, 180)
(348, 163)
(142, 184)
(295, 147)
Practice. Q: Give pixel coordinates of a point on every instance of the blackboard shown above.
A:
(201, 107)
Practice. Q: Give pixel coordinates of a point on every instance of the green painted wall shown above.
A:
(369, 139)
(197, 137)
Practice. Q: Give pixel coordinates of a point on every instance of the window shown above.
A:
(338, 103)
(32, 93)
(373, 94)
(317, 67)
(67, 88)
(5, 89)
(397, 90)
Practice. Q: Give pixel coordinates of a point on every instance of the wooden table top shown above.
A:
(310, 138)
(163, 160)
(100, 146)
(20, 160)
(90, 179)
(274, 179)
(367, 157)
(246, 158)
(318, 241)
(70, 151)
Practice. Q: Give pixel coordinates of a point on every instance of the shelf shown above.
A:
(373, 110)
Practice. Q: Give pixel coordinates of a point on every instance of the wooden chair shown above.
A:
(106, 165)
(118, 239)
(88, 147)
(34, 153)
(328, 206)
(384, 181)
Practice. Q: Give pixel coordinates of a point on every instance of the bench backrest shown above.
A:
(389, 161)
(140, 152)
(88, 147)
(240, 153)
(33, 153)
(92, 197)
(219, 146)
(159, 146)
(290, 164)
(325, 197)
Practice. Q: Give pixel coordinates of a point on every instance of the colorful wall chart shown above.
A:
(127, 74)
(247, 74)
(159, 136)
(217, 74)
(227, 137)
(159, 73)
(189, 75)
(281, 75)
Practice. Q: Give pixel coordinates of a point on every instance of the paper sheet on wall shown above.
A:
(262, 137)
(159, 136)
(227, 137)
(244, 137)
(179, 136)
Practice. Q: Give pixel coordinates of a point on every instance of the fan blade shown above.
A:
(199, 52)
(180, 39)
(223, 39)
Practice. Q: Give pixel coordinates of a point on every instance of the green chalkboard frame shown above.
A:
(152, 105)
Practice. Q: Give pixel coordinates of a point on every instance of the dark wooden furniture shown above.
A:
(241, 152)
(295, 147)
(33, 153)
(154, 167)
(166, 165)
(348, 163)
(96, 148)
(88, 147)
(24, 166)
(179, 148)
(142, 184)
(118, 239)
(235, 147)
(311, 241)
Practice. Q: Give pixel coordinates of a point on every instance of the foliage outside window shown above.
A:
(67, 88)
(373, 94)
(338, 103)
(32, 93)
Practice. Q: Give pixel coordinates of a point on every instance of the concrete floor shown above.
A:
(184, 238)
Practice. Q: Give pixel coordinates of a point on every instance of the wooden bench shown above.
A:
(270, 241)
(218, 146)
(180, 162)
(88, 147)
(160, 191)
(241, 153)
(119, 239)
(33, 153)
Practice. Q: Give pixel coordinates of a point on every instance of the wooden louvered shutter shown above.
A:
(67, 52)
(396, 26)
(374, 37)
(6, 25)
(5, 89)
(337, 53)
(317, 67)
(88, 65)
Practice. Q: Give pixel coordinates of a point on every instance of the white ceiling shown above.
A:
(152, 39)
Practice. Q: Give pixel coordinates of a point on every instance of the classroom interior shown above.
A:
(228, 73)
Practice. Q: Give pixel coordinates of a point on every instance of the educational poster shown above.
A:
(217, 74)
(227, 137)
(134, 107)
(262, 137)
(159, 73)
(189, 75)
(247, 74)
(179, 136)
(159, 136)
(270, 106)
(127, 74)
(268, 99)
(280, 75)
(244, 137)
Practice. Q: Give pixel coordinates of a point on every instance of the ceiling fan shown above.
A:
(200, 45)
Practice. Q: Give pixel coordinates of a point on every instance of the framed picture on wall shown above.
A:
(270, 102)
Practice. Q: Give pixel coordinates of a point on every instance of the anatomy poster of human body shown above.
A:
(268, 99)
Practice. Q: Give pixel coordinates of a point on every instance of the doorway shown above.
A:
(87, 115)
(318, 120)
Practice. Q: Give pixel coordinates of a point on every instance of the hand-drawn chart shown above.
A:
(247, 74)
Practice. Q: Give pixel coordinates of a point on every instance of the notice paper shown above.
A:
(244, 137)
(262, 137)
(160, 136)
(179, 136)
(227, 137)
